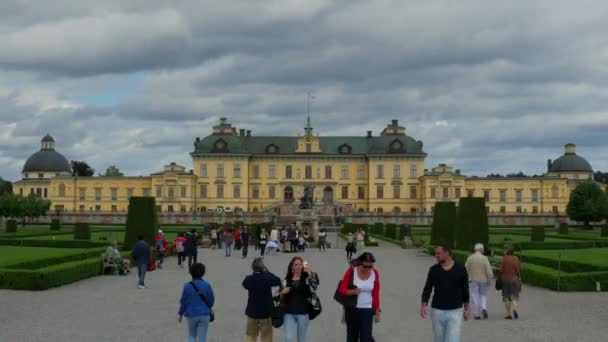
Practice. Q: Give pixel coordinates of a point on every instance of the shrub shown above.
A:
(444, 219)
(142, 220)
(472, 223)
(82, 231)
(538, 234)
(404, 230)
(507, 238)
(563, 228)
(51, 276)
(378, 228)
(371, 242)
(604, 232)
(390, 231)
(11, 226)
(55, 225)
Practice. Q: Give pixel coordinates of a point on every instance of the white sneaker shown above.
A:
(141, 287)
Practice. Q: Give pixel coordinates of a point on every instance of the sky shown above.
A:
(488, 87)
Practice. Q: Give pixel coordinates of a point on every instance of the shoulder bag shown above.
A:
(211, 312)
(346, 301)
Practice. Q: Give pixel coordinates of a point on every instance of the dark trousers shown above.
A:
(359, 323)
(237, 245)
(245, 249)
(262, 249)
(293, 246)
(192, 259)
(180, 258)
(321, 244)
(160, 257)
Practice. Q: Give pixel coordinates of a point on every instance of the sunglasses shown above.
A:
(367, 267)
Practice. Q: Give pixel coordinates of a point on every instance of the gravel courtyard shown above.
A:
(111, 308)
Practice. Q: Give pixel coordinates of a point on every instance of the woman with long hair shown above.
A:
(299, 287)
(362, 281)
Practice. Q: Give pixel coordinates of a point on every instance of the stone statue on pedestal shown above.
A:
(306, 201)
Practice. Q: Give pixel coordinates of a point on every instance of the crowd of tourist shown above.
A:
(458, 291)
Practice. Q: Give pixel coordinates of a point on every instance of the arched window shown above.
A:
(344, 149)
(288, 194)
(396, 210)
(272, 148)
(379, 211)
(61, 190)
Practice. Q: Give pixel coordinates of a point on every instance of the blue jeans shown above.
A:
(198, 327)
(228, 248)
(446, 325)
(141, 273)
(295, 326)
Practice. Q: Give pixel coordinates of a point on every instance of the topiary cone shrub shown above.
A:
(444, 224)
(472, 223)
(82, 231)
(538, 234)
(604, 232)
(390, 231)
(563, 228)
(55, 225)
(142, 220)
(11, 226)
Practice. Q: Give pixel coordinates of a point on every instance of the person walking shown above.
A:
(274, 235)
(449, 283)
(196, 304)
(263, 241)
(480, 277)
(245, 241)
(360, 236)
(362, 281)
(284, 239)
(301, 243)
(160, 245)
(141, 255)
(299, 286)
(228, 240)
(237, 239)
(510, 275)
(322, 239)
(259, 301)
(292, 236)
(213, 237)
(192, 247)
(179, 246)
(350, 246)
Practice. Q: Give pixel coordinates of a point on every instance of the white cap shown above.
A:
(160, 231)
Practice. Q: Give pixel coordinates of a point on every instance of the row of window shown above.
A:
(272, 171)
(487, 194)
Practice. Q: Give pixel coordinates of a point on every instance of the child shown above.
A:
(301, 243)
(350, 246)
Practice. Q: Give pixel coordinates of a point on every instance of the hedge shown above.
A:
(404, 230)
(444, 224)
(53, 243)
(554, 245)
(538, 234)
(390, 231)
(82, 231)
(51, 276)
(37, 264)
(472, 223)
(378, 228)
(546, 277)
(604, 232)
(563, 228)
(142, 220)
(55, 225)
(11, 226)
(566, 265)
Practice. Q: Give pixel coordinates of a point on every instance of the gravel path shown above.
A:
(110, 308)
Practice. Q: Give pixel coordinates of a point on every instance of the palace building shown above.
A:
(237, 171)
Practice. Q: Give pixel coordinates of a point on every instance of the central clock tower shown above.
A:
(308, 143)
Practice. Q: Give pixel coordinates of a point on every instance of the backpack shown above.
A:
(179, 246)
(159, 245)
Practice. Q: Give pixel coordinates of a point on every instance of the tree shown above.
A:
(601, 177)
(588, 203)
(113, 171)
(142, 220)
(19, 207)
(444, 220)
(472, 223)
(6, 187)
(81, 169)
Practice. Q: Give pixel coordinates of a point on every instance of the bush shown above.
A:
(552, 245)
(563, 228)
(378, 228)
(390, 231)
(371, 242)
(604, 232)
(404, 230)
(11, 226)
(444, 219)
(142, 220)
(538, 234)
(546, 277)
(82, 231)
(472, 223)
(51, 276)
(55, 225)
(37, 264)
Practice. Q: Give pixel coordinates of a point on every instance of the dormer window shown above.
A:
(396, 146)
(272, 148)
(220, 146)
(344, 149)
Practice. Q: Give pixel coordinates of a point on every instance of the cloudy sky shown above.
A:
(488, 86)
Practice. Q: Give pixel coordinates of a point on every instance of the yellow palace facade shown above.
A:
(236, 171)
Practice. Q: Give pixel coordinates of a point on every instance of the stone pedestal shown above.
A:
(308, 217)
(407, 243)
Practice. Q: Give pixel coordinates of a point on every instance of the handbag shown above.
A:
(346, 301)
(211, 312)
(498, 284)
(277, 314)
(314, 304)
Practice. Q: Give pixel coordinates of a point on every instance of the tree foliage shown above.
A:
(20, 207)
(588, 203)
(113, 171)
(472, 223)
(444, 223)
(5, 186)
(601, 177)
(81, 169)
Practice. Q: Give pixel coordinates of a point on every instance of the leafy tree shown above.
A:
(81, 169)
(20, 207)
(471, 223)
(444, 223)
(601, 177)
(113, 171)
(5, 186)
(588, 203)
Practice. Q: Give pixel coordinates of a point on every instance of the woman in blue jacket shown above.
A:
(196, 304)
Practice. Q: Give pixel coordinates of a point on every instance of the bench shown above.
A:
(107, 263)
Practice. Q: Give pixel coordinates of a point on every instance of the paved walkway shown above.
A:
(110, 308)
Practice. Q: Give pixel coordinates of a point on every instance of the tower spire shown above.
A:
(308, 129)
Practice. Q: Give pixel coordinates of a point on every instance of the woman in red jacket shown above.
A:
(362, 281)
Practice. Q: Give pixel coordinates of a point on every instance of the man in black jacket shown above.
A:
(245, 241)
(259, 303)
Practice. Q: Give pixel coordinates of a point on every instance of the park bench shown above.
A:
(108, 263)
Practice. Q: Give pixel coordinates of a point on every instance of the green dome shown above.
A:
(570, 162)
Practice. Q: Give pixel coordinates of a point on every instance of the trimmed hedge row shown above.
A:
(552, 245)
(563, 228)
(444, 224)
(538, 234)
(566, 265)
(38, 264)
(53, 243)
(604, 232)
(546, 277)
(142, 219)
(48, 277)
(82, 231)
(11, 226)
(55, 225)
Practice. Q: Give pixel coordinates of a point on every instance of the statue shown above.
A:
(306, 201)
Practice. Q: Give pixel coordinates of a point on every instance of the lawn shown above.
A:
(10, 255)
(98, 236)
(497, 238)
(593, 256)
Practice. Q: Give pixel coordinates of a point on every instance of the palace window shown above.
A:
(503, 195)
(203, 190)
(308, 172)
(361, 192)
(345, 192)
(159, 191)
(170, 208)
(503, 209)
(534, 210)
(183, 191)
(327, 172)
(114, 208)
(220, 170)
(517, 195)
(41, 175)
(272, 171)
(380, 191)
(98, 194)
(114, 192)
(236, 191)
(220, 190)
(518, 209)
(446, 193)
(237, 170)
(61, 190)
(129, 193)
(145, 192)
(534, 193)
(379, 171)
(433, 192)
(413, 192)
(396, 171)
(255, 171)
(413, 171)
(182, 208)
(470, 193)
(555, 210)
(46, 192)
(360, 172)
(288, 171)
(171, 192)
(272, 192)
(255, 192)
(486, 195)
(457, 192)
(82, 194)
(344, 172)
(396, 191)
(203, 170)
(97, 207)
(554, 191)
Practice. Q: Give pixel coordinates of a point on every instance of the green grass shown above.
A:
(592, 256)
(97, 236)
(10, 255)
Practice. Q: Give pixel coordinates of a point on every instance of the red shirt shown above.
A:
(158, 237)
(237, 235)
(375, 292)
